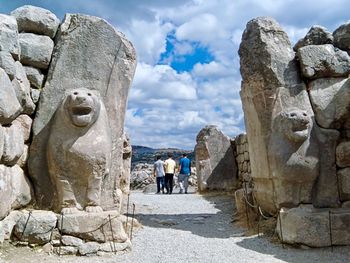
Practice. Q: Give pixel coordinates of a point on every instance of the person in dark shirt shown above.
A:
(184, 173)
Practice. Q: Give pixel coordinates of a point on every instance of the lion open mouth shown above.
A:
(81, 110)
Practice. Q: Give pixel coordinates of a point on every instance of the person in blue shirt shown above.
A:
(184, 173)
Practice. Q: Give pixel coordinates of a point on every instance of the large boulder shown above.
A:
(9, 105)
(342, 36)
(317, 35)
(15, 189)
(33, 19)
(24, 123)
(314, 227)
(35, 77)
(13, 145)
(319, 61)
(36, 50)
(89, 53)
(7, 63)
(9, 35)
(330, 100)
(21, 85)
(100, 227)
(344, 183)
(215, 161)
(36, 226)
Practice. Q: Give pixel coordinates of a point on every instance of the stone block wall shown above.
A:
(242, 158)
(26, 46)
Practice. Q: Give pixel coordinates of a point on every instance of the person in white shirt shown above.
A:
(170, 166)
(158, 171)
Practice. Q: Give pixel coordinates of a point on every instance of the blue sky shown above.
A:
(188, 68)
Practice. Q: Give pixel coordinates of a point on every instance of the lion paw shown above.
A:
(69, 210)
(93, 209)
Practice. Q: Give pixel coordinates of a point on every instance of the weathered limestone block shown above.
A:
(304, 225)
(33, 19)
(319, 61)
(21, 188)
(71, 241)
(112, 247)
(310, 226)
(7, 63)
(5, 192)
(9, 35)
(125, 179)
(340, 227)
(15, 189)
(93, 226)
(325, 192)
(215, 147)
(8, 223)
(24, 122)
(35, 77)
(262, 83)
(9, 105)
(13, 145)
(23, 160)
(89, 53)
(37, 229)
(35, 95)
(79, 151)
(344, 183)
(36, 50)
(89, 248)
(342, 36)
(330, 101)
(317, 35)
(343, 154)
(22, 87)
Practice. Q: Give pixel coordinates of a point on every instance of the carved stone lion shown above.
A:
(79, 151)
(294, 157)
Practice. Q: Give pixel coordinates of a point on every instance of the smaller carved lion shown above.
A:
(79, 151)
(294, 157)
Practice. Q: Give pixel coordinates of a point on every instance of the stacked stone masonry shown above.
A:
(54, 90)
(242, 158)
(25, 54)
(296, 102)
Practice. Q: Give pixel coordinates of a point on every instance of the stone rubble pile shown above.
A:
(296, 102)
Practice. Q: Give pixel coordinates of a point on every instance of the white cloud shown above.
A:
(168, 108)
(149, 38)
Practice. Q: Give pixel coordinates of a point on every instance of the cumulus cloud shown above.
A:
(167, 107)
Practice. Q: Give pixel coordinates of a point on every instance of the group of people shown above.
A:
(165, 171)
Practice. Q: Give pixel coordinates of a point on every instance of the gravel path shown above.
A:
(191, 228)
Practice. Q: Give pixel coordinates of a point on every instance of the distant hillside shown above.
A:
(142, 154)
